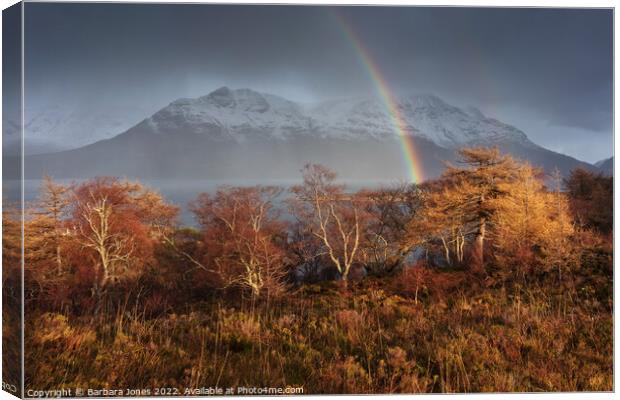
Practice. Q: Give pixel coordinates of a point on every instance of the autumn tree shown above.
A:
(389, 211)
(49, 219)
(335, 218)
(474, 188)
(242, 238)
(116, 225)
(532, 225)
(42, 275)
(591, 199)
(305, 252)
(442, 222)
(45, 236)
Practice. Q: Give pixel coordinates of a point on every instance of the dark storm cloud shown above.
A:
(558, 62)
(550, 65)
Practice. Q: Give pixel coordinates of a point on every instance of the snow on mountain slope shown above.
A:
(59, 127)
(227, 114)
(242, 134)
(423, 115)
(244, 114)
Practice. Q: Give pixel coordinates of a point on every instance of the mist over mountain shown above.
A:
(243, 134)
(61, 127)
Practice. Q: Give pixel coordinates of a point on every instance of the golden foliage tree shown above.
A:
(443, 221)
(532, 225)
(49, 222)
(474, 189)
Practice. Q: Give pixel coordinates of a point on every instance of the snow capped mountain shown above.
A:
(232, 114)
(243, 134)
(244, 114)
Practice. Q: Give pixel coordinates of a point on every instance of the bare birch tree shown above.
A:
(336, 219)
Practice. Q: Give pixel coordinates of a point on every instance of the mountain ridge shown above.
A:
(244, 133)
(235, 113)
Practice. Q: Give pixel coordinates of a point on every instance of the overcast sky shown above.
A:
(547, 71)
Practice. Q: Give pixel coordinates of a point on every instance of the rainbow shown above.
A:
(414, 168)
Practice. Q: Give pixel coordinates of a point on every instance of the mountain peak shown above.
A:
(243, 99)
(222, 97)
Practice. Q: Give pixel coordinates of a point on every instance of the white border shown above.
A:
(472, 3)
